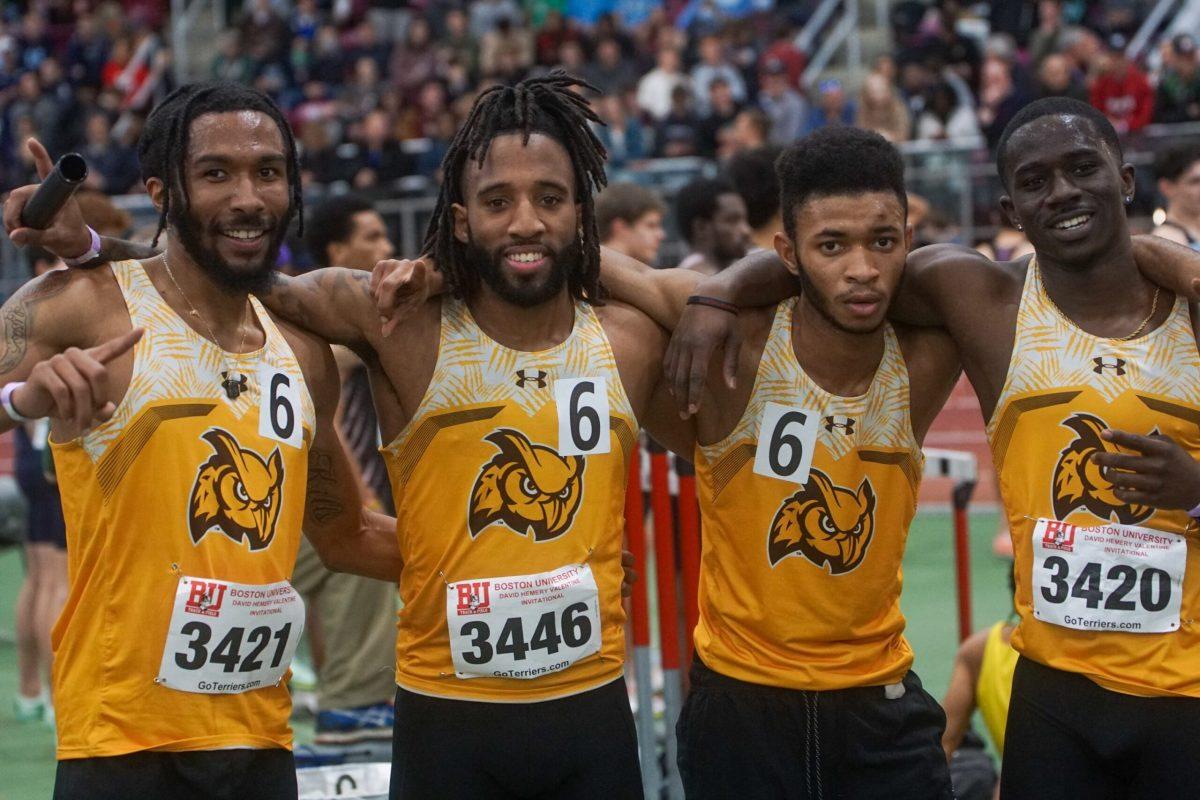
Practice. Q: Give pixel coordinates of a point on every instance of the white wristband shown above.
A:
(1195, 512)
(7, 404)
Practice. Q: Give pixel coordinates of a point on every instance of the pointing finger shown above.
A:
(41, 158)
(106, 352)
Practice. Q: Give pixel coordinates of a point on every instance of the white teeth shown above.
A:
(1073, 222)
(525, 258)
(243, 234)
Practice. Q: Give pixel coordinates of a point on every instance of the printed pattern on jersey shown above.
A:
(185, 360)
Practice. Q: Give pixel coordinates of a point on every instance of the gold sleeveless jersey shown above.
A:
(1064, 388)
(486, 489)
(800, 584)
(178, 483)
(993, 691)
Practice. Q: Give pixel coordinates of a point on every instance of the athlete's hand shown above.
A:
(1162, 475)
(73, 386)
(631, 575)
(67, 236)
(701, 332)
(400, 286)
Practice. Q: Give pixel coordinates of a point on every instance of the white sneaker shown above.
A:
(29, 709)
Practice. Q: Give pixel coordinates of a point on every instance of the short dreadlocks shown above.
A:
(163, 145)
(546, 105)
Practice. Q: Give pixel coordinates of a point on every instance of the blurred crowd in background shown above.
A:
(376, 90)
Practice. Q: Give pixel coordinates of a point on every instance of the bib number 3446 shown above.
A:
(1107, 577)
(523, 626)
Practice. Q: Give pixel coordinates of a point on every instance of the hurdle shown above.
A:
(962, 468)
(639, 613)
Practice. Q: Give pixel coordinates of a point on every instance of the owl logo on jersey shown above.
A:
(826, 523)
(528, 487)
(236, 492)
(1079, 482)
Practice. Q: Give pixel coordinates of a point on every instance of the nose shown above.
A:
(1062, 190)
(526, 224)
(860, 268)
(246, 197)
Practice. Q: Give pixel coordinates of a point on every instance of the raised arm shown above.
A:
(334, 303)
(346, 535)
(660, 294)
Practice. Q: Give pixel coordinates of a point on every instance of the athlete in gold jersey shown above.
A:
(807, 474)
(193, 439)
(1088, 375)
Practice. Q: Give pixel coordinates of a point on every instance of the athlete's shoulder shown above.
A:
(933, 364)
(626, 323)
(963, 264)
(316, 360)
(73, 307)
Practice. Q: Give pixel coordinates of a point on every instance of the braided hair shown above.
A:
(546, 105)
(163, 145)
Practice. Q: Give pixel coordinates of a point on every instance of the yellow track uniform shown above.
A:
(1082, 595)
(181, 487)
(510, 487)
(800, 582)
(993, 689)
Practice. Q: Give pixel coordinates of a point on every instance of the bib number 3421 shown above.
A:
(523, 626)
(229, 638)
(1107, 577)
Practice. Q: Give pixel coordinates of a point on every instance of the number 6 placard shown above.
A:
(582, 416)
(279, 407)
(786, 437)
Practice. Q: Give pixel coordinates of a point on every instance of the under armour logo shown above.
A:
(234, 383)
(1117, 365)
(537, 377)
(838, 422)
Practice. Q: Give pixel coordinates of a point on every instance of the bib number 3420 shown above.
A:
(229, 638)
(1107, 577)
(523, 626)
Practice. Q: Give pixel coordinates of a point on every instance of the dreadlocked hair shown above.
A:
(163, 145)
(547, 105)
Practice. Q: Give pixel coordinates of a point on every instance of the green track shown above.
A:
(27, 751)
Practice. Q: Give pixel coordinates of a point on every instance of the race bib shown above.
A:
(523, 626)
(229, 638)
(582, 416)
(279, 406)
(1107, 577)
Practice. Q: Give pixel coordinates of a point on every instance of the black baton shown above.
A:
(54, 192)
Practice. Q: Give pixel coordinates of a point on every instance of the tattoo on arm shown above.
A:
(112, 249)
(19, 313)
(324, 500)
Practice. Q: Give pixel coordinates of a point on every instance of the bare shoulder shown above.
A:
(72, 307)
(316, 362)
(957, 268)
(934, 366)
(625, 324)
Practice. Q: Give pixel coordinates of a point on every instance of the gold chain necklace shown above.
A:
(1137, 331)
(232, 380)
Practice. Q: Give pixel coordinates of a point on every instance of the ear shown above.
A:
(787, 252)
(156, 190)
(866, 496)
(462, 228)
(1010, 211)
(1128, 184)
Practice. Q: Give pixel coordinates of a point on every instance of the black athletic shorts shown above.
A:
(196, 775)
(751, 742)
(580, 747)
(1069, 738)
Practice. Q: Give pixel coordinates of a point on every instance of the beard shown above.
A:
(809, 291)
(255, 279)
(489, 265)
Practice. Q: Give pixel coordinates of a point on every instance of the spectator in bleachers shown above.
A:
(723, 107)
(1178, 173)
(506, 50)
(572, 58)
(265, 36)
(783, 105)
(751, 129)
(832, 107)
(630, 220)
(622, 134)
(328, 61)
(711, 217)
(87, 52)
(113, 167)
(1178, 96)
(656, 86)
(881, 109)
(379, 157)
(33, 40)
(1083, 47)
(306, 20)
(456, 43)
(679, 132)
(486, 14)
(1048, 38)
(611, 71)
(783, 50)
(946, 45)
(230, 63)
(364, 90)
(1055, 79)
(318, 161)
(714, 65)
(999, 99)
(945, 117)
(1121, 90)
(752, 173)
(553, 31)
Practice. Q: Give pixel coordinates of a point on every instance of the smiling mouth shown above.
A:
(1077, 221)
(525, 260)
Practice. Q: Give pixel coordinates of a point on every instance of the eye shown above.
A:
(528, 487)
(214, 174)
(496, 203)
(827, 524)
(551, 200)
(267, 502)
(858, 529)
(829, 248)
(240, 491)
(565, 493)
(1085, 168)
(1031, 183)
(885, 242)
(269, 173)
